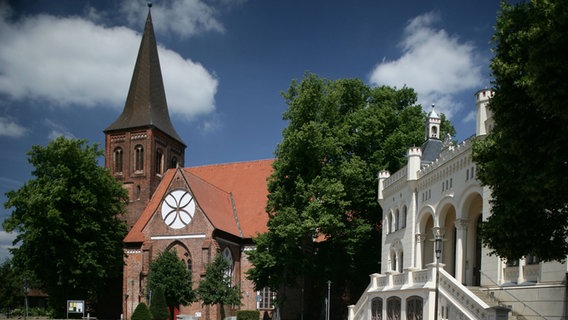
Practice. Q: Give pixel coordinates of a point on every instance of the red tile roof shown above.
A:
(135, 234)
(246, 181)
(218, 189)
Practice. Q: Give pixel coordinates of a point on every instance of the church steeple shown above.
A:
(146, 101)
(142, 143)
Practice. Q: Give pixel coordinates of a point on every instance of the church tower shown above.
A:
(142, 143)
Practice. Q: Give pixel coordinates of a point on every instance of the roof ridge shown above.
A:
(187, 170)
(229, 163)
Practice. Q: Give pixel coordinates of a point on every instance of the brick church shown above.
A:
(198, 211)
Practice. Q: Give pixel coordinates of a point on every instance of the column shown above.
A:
(419, 241)
(461, 248)
(522, 264)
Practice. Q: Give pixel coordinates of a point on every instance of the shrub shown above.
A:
(248, 315)
(141, 312)
(158, 306)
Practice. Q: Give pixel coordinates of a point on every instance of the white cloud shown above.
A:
(56, 130)
(11, 129)
(6, 240)
(71, 60)
(438, 66)
(182, 17)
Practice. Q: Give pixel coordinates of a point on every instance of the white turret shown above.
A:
(433, 125)
(484, 121)
(414, 156)
(383, 175)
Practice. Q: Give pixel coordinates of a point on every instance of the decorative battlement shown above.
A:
(414, 151)
(384, 174)
(446, 156)
(484, 95)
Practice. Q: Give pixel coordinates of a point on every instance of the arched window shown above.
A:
(174, 162)
(139, 158)
(396, 220)
(377, 309)
(414, 308)
(117, 158)
(401, 262)
(227, 254)
(393, 261)
(393, 308)
(159, 161)
(404, 216)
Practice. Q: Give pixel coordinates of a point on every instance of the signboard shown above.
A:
(75, 306)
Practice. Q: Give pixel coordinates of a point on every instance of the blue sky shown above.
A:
(65, 66)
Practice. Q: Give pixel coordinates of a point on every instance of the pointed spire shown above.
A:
(433, 113)
(146, 101)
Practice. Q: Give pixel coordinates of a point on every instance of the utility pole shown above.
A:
(328, 301)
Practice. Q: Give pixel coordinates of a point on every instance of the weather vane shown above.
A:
(149, 3)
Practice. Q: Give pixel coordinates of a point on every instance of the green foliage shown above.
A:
(66, 216)
(158, 305)
(217, 286)
(248, 315)
(523, 159)
(170, 274)
(11, 286)
(324, 217)
(141, 312)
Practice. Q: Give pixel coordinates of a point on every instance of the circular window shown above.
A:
(178, 209)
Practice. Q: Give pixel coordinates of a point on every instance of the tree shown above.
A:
(171, 274)
(158, 305)
(324, 219)
(11, 286)
(523, 158)
(217, 287)
(141, 312)
(66, 217)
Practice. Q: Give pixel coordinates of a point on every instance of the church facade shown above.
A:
(197, 211)
(433, 265)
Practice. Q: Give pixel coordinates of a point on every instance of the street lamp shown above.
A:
(438, 251)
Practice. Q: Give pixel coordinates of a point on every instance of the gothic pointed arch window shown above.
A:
(139, 158)
(229, 256)
(117, 159)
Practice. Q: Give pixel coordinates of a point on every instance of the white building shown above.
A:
(437, 194)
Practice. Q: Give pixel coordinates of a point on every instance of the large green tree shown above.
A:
(217, 287)
(69, 236)
(325, 222)
(523, 158)
(171, 274)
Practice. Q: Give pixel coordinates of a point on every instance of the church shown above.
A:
(198, 211)
(433, 265)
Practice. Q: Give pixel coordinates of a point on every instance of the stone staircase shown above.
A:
(484, 295)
